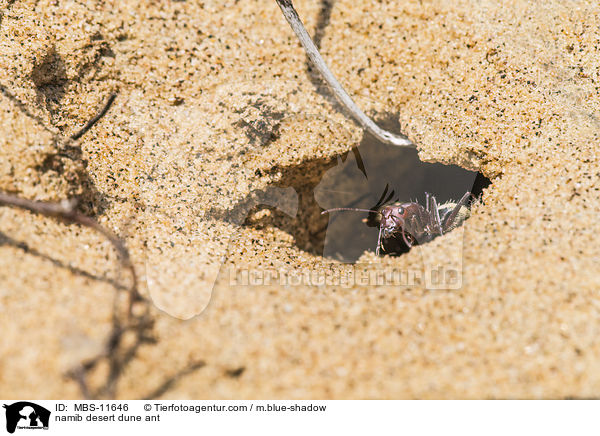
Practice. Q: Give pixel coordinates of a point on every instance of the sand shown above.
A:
(216, 112)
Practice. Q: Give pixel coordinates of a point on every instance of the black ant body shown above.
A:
(410, 223)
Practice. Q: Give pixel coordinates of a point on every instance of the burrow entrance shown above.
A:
(357, 179)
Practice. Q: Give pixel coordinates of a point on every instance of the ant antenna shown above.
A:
(381, 200)
(348, 208)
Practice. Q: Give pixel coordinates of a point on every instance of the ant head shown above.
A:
(392, 218)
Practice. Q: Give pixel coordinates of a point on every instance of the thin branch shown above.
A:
(312, 51)
(116, 352)
(94, 120)
(66, 211)
(65, 140)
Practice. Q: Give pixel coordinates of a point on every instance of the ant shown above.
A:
(410, 221)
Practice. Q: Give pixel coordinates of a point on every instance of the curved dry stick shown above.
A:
(117, 355)
(66, 211)
(312, 51)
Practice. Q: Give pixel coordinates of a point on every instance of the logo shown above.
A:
(26, 415)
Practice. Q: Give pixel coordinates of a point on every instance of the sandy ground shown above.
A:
(217, 112)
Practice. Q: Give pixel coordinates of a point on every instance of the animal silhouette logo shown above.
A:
(26, 415)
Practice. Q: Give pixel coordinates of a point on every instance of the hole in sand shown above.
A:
(358, 179)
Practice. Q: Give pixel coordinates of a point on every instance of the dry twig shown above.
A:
(66, 211)
(137, 317)
(338, 90)
(94, 120)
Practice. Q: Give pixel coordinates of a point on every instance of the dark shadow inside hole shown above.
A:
(361, 181)
(308, 226)
(358, 179)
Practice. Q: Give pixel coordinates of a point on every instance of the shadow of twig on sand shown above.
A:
(316, 79)
(7, 240)
(166, 385)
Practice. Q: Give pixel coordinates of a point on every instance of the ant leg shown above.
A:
(462, 202)
(415, 229)
(436, 215)
(378, 241)
(406, 241)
